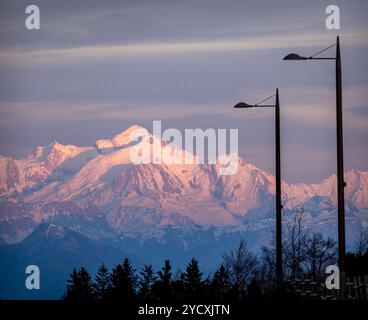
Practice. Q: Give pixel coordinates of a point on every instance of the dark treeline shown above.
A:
(241, 275)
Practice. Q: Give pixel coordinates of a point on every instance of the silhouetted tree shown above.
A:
(123, 281)
(165, 273)
(79, 286)
(102, 283)
(177, 286)
(294, 247)
(220, 284)
(356, 264)
(361, 244)
(241, 265)
(71, 286)
(266, 274)
(192, 281)
(146, 280)
(162, 288)
(320, 253)
(254, 290)
(306, 253)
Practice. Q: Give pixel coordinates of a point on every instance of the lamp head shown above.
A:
(243, 105)
(294, 56)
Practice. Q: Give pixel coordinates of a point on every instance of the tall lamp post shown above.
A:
(340, 154)
(279, 272)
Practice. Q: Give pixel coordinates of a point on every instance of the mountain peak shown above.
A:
(120, 140)
(55, 144)
(125, 137)
(42, 152)
(133, 128)
(49, 231)
(55, 231)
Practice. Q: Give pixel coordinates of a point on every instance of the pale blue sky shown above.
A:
(97, 67)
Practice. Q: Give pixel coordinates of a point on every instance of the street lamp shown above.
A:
(278, 178)
(340, 155)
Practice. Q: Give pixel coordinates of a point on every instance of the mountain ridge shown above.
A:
(100, 192)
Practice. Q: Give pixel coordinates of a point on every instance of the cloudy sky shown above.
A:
(96, 67)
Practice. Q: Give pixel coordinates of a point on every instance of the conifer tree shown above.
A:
(162, 288)
(146, 280)
(85, 285)
(123, 281)
(71, 286)
(220, 284)
(79, 286)
(192, 281)
(102, 283)
(165, 273)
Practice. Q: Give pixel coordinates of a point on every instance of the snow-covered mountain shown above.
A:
(99, 192)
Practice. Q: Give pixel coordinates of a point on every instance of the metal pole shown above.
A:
(340, 168)
(279, 272)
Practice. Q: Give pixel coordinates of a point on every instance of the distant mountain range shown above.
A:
(158, 210)
(56, 251)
